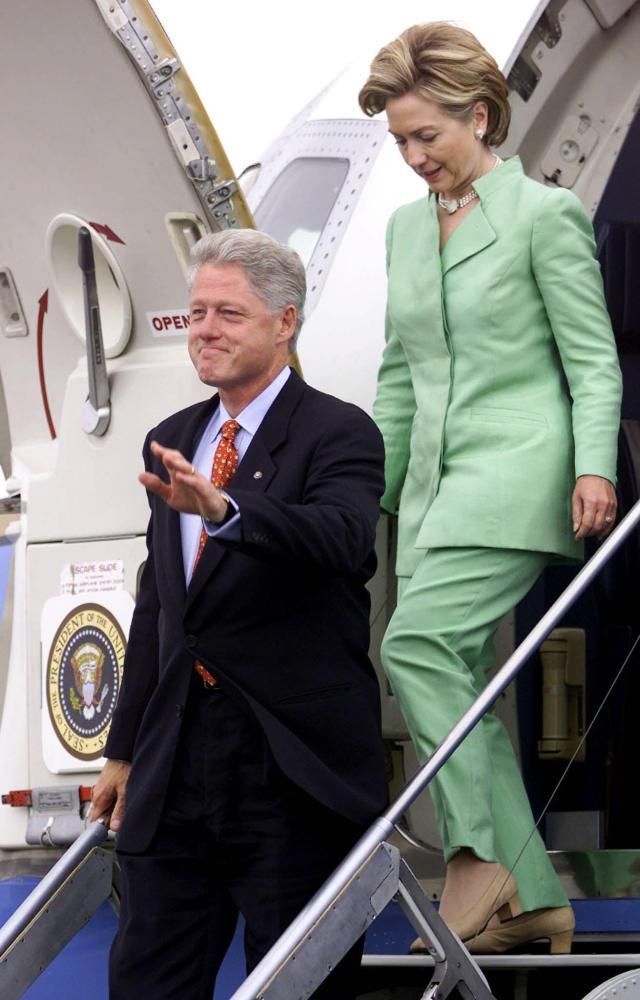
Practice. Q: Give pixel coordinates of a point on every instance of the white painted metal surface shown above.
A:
(120, 173)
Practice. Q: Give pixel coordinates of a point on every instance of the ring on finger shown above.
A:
(608, 519)
(193, 472)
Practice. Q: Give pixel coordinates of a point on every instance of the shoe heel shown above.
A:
(560, 944)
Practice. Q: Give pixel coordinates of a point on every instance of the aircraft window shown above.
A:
(288, 213)
(113, 294)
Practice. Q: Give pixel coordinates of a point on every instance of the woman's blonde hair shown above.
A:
(446, 65)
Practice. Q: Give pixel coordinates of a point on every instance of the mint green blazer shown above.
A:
(500, 382)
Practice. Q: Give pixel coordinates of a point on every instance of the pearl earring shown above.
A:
(478, 134)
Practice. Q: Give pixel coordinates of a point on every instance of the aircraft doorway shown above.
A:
(592, 817)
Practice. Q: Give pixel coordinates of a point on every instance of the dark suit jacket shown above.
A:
(280, 618)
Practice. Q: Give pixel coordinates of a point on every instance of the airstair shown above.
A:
(374, 875)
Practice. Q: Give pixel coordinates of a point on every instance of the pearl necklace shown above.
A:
(452, 205)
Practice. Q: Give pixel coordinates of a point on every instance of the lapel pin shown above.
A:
(257, 474)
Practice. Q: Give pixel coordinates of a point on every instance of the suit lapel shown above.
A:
(428, 258)
(255, 472)
(474, 234)
(186, 443)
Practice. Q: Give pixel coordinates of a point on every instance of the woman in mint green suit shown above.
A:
(498, 398)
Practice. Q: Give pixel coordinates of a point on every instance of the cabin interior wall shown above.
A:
(619, 211)
(588, 74)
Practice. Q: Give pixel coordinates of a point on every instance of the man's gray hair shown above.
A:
(274, 271)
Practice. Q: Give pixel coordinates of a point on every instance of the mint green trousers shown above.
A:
(436, 651)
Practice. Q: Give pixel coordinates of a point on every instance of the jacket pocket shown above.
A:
(501, 415)
(316, 694)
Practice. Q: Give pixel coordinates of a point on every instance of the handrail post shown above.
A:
(95, 834)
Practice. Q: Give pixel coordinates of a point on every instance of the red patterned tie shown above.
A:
(225, 463)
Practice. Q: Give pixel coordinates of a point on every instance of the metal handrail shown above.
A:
(383, 827)
(95, 834)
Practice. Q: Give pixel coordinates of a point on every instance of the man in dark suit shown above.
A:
(246, 736)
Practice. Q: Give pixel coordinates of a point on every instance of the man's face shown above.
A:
(234, 341)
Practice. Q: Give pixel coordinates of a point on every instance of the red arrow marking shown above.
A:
(43, 305)
(106, 231)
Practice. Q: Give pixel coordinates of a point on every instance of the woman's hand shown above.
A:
(594, 506)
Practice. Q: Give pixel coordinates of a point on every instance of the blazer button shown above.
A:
(191, 641)
(179, 711)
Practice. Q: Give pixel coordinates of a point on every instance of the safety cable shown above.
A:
(416, 841)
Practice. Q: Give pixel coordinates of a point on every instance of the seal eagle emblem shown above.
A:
(84, 671)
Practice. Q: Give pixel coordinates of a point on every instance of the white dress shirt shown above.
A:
(249, 419)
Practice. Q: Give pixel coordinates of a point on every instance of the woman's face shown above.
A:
(442, 150)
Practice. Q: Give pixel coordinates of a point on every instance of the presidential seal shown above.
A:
(83, 677)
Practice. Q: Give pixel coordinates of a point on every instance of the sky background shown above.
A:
(255, 75)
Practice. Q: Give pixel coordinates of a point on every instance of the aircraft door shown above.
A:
(119, 143)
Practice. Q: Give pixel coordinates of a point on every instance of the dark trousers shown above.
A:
(236, 836)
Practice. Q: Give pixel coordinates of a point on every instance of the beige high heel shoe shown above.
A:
(500, 896)
(555, 923)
